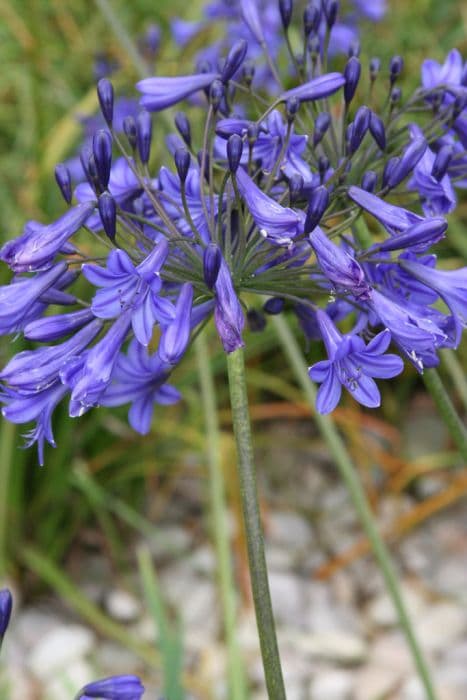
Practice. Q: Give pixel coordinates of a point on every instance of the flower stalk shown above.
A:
(219, 528)
(253, 528)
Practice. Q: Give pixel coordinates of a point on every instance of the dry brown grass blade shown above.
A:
(406, 522)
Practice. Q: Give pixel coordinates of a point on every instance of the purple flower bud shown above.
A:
(256, 321)
(291, 108)
(442, 161)
(369, 181)
(407, 161)
(108, 213)
(53, 327)
(354, 49)
(228, 314)
(234, 152)
(338, 266)
(183, 126)
(295, 187)
(317, 205)
(182, 163)
(375, 66)
(252, 134)
(129, 127)
(234, 60)
(105, 94)
(395, 68)
(396, 95)
(63, 179)
(311, 19)
(113, 688)
(377, 130)
(322, 86)
(285, 9)
(88, 163)
(323, 166)
(331, 8)
(175, 337)
(361, 124)
(248, 72)
(352, 72)
(216, 94)
(212, 259)
(419, 236)
(273, 306)
(6, 603)
(144, 135)
(102, 151)
(391, 164)
(159, 93)
(314, 47)
(322, 122)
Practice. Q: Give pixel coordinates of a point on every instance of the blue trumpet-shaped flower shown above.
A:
(278, 224)
(6, 604)
(159, 93)
(339, 267)
(36, 248)
(351, 364)
(139, 378)
(114, 688)
(125, 286)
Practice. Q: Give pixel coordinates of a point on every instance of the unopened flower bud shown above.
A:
(354, 49)
(248, 72)
(252, 134)
(395, 68)
(182, 163)
(274, 306)
(295, 187)
(105, 94)
(369, 181)
(129, 127)
(442, 161)
(234, 60)
(361, 124)
(291, 108)
(183, 126)
(216, 94)
(63, 179)
(375, 66)
(108, 213)
(102, 151)
(391, 164)
(377, 130)
(234, 152)
(311, 19)
(323, 166)
(352, 72)
(212, 259)
(6, 604)
(331, 8)
(285, 9)
(407, 161)
(396, 95)
(322, 122)
(256, 321)
(317, 205)
(144, 135)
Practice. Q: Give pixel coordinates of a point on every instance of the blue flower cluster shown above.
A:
(290, 191)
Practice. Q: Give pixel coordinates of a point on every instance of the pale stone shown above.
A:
(341, 647)
(67, 682)
(288, 597)
(58, 648)
(332, 685)
(441, 626)
(122, 606)
(373, 682)
(382, 612)
(289, 530)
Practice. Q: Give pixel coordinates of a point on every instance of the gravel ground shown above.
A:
(338, 637)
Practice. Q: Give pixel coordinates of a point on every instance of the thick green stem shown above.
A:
(349, 475)
(7, 443)
(447, 411)
(253, 529)
(236, 673)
